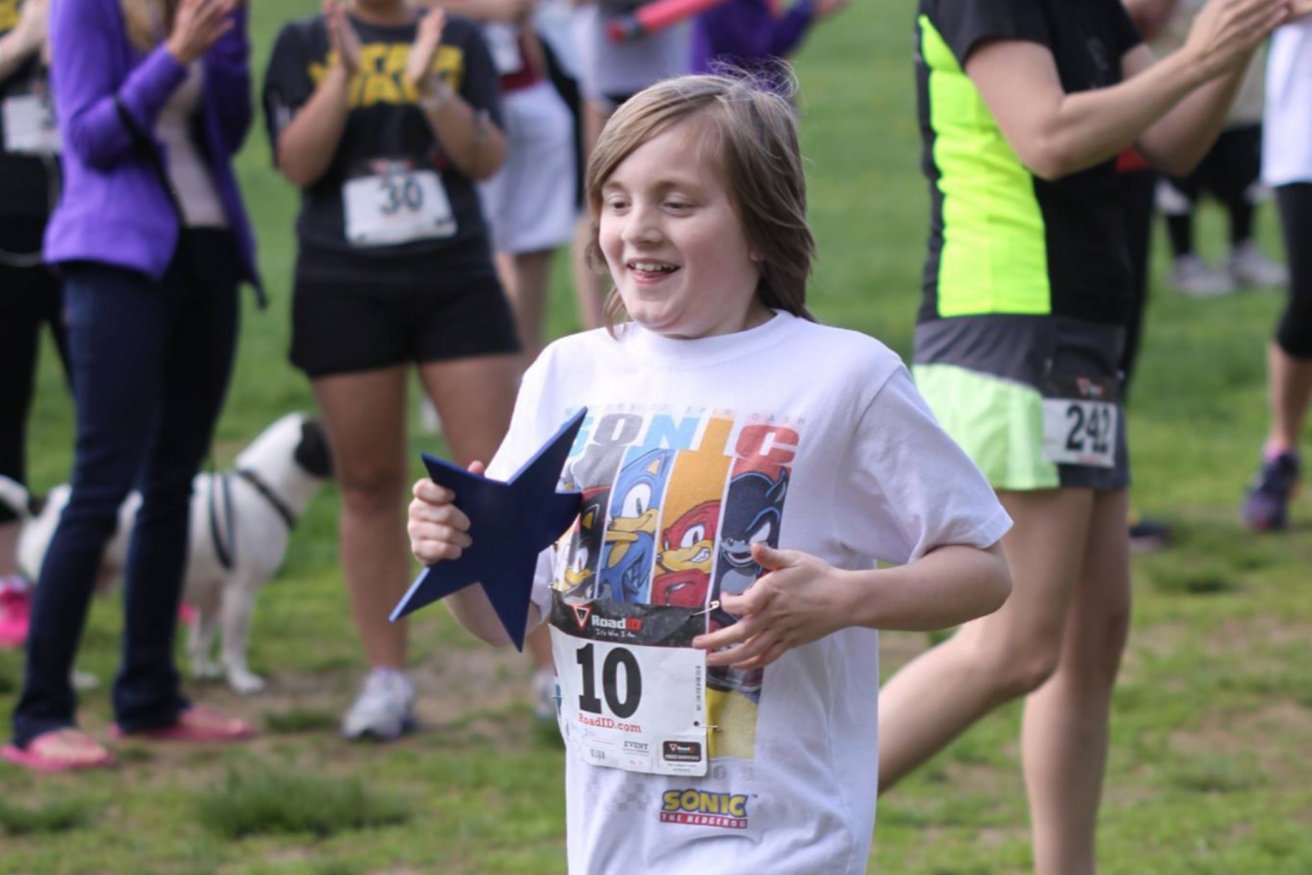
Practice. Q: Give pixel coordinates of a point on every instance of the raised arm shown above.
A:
(25, 40)
(228, 74)
(83, 38)
(1056, 134)
(468, 134)
(305, 146)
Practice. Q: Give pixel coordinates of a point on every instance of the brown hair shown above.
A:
(756, 131)
(148, 21)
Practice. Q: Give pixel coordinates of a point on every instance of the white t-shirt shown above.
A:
(609, 69)
(806, 436)
(1287, 138)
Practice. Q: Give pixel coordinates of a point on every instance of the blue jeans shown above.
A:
(152, 362)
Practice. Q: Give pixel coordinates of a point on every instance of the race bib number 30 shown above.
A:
(30, 125)
(396, 204)
(1080, 423)
(631, 706)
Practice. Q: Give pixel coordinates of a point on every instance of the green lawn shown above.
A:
(1210, 770)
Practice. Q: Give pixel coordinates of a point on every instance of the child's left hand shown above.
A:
(799, 601)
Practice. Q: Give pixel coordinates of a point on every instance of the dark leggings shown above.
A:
(151, 360)
(29, 298)
(1294, 332)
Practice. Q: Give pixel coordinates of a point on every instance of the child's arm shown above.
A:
(439, 531)
(804, 598)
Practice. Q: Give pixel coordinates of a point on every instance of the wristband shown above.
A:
(437, 96)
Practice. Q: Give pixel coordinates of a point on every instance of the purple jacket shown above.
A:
(747, 33)
(114, 209)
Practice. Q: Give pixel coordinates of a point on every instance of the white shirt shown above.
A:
(857, 471)
(188, 173)
(609, 69)
(1287, 138)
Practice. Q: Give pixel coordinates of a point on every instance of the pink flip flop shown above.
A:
(212, 727)
(33, 758)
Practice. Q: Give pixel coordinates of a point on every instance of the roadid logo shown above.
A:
(702, 808)
(586, 620)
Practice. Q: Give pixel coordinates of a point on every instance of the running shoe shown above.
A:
(1191, 276)
(15, 611)
(1266, 507)
(384, 709)
(1149, 535)
(1247, 266)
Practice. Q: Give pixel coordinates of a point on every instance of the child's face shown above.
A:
(675, 247)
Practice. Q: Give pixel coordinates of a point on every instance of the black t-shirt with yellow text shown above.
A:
(385, 128)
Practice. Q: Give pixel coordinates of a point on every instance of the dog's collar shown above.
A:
(272, 497)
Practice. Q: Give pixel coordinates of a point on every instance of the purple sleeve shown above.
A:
(748, 30)
(83, 39)
(228, 77)
(789, 29)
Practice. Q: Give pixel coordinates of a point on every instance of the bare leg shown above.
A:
(525, 276)
(364, 416)
(9, 533)
(996, 658)
(1291, 384)
(589, 286)
(539, 646)
(1064, 737)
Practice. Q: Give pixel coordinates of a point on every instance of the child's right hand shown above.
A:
(438, 529)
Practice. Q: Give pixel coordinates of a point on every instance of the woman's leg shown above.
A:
(364, 417)
(1065, 731)
(118, 326)
(525, 276)
(475, 397)
(997, 658)
(198, 367)
(589, 286)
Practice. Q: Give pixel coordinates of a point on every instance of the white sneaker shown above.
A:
(384, 709)
(1191, 276)
(1249, 267)
(544, 694)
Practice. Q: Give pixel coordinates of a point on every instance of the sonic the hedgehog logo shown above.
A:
(700, 808)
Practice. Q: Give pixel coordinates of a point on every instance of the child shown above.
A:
(742, 469)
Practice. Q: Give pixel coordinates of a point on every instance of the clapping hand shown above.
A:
(419, 68)
(197, 25)
(342, 37)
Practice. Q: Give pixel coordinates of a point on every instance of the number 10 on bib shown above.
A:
(632, 706)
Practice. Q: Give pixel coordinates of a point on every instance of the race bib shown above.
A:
(632, 690)
(30, 128)
(1080, 421)
(394, 202)
(503, 41)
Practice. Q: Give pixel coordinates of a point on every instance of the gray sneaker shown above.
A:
(384, 710)
(1191, 276)
(1249, 267)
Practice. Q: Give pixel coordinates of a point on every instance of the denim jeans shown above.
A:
(151, 361)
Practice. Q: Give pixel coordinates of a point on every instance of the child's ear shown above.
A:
(755, 255)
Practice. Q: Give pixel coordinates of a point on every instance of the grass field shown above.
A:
(1210, 771)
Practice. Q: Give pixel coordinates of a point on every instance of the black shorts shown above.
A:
(345, 327)
(1230, 170)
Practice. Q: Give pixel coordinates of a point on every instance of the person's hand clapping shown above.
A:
(1225, 32)
(419, 67)
(197, 25)
(797, 602)
(342, 37)
(32, 23)
(439, 531)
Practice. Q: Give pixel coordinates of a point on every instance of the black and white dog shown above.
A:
(240, 523)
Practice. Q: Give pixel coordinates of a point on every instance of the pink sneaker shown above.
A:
(15, 610)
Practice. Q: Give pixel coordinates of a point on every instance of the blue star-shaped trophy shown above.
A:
(510, 523)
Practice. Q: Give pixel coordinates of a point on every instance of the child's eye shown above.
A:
(616, 204)
(678, 205)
